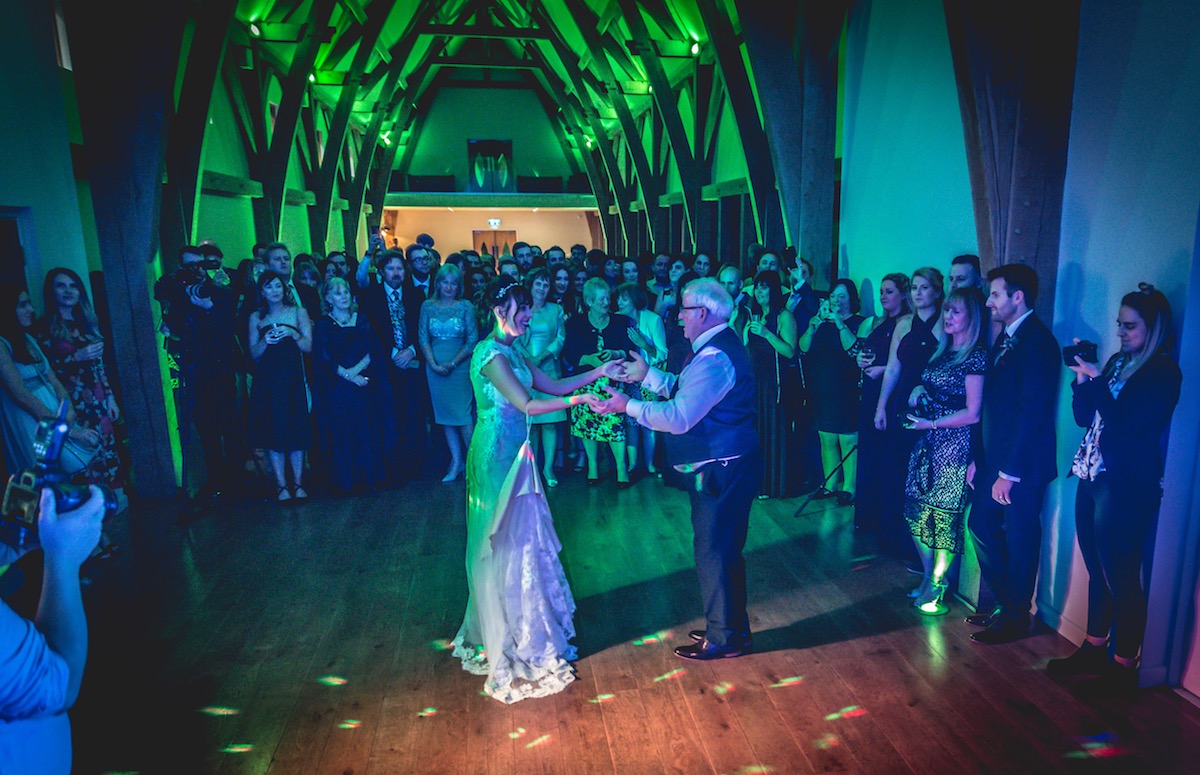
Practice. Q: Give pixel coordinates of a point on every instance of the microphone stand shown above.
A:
(836, 468)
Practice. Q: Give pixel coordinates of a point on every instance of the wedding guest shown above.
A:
(541, 345)
(832, 374)
(353, 386)
(1126, 409)
(447, 333)
(279, 333)
(69, 335)
(649, 337)
(770, 337)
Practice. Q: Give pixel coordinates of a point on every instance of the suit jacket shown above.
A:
(1020, 394)
(310, 300)
(373, 302)
(1135, 421)
(410, 283)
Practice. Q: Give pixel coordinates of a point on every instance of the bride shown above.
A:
(517, 627)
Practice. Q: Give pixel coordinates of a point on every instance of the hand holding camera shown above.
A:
(1082, 358)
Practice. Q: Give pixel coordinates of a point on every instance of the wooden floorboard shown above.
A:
(262, 638)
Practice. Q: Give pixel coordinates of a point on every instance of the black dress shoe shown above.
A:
(822, 494)
(703, 650)
(982, 620)
(593, 481)
(1088, 660)
(745, 640)
(1000, 632)
(845, 498)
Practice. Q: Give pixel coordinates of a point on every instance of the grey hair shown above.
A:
(707, 292)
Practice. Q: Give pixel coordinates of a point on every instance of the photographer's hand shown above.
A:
(1083, 370)
(193, 292)
(67, 540)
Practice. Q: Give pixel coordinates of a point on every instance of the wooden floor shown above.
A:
(312, 639)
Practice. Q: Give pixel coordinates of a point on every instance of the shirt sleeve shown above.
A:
(702, 385)
(33, 678)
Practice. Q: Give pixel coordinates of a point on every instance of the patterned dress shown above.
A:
(518, 623)
(936, 492)
(86, 382)
(584, 339)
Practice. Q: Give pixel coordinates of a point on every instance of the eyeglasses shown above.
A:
(683, 307)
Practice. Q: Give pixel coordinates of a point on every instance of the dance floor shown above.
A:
(313, 638)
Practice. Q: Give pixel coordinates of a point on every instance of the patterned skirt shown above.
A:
(588, 424)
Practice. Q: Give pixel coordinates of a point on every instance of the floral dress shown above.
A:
(87, 383)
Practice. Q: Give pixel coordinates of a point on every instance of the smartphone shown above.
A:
(1087, 352)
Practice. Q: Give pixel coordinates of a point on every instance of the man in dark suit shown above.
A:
(710, 421)
(393, 308)
(420, 264)
(1016, 460)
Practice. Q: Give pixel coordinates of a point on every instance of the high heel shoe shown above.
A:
(283, 493)
(930, 603)
(452, 474)
(549, 479)
(920, 589)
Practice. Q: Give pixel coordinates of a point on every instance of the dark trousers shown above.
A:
(208, 403)
(1112, 522)
(1008, 540)
(721, 499)
(408, 401)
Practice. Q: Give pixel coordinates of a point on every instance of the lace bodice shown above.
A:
(491, 404)
(455, 322)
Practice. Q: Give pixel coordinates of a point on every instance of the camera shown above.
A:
(1084, 349)
(24, 489)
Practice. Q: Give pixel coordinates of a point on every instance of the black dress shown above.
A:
(278, 398)
(868, 502)
(833, 379)
(913, 353)
(935, 491)
(772, 419)
(352, 419)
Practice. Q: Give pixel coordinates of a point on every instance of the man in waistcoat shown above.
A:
(709, 416)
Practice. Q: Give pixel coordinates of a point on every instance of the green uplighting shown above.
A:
(218, 710)
(695, 49)
(255, 30)
(312, 78)
(332, 680)
(676, 673)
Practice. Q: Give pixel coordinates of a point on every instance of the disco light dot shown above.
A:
(599, 698)
(724, 687)
(238, 748)
(519, 733)
(428, 712)
(218, 710)
(850, 711)
(754, 769)
(789, 681)
(332, 680)
(676, 673)
(441, 644)
(827, 741)
(864, 566)
(540, 741)
(350, 723)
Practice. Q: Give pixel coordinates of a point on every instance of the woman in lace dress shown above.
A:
(541, 345)
(944, 408)
(447, 334)
(518, 623)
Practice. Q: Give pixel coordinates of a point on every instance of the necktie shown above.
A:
(999, 347)
(396, 310)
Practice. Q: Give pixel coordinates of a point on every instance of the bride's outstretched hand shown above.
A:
(633, 369)
(595, 402)
(614, 370)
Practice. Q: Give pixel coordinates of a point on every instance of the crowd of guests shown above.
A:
(355, 374)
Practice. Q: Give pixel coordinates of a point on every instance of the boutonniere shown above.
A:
(1008, 344)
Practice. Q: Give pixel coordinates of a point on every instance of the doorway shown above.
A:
(494, 242)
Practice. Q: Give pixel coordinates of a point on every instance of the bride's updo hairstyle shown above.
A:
(505, 289)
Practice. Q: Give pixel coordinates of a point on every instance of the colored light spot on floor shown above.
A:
(654, 637)
(218, 710)
(676, 673)
(519, 733)
(599, 698)
(332, 680)
(849, 711)
(724, 687)
(238, 748)
(428, 712)
(789, 681)
(540, 741)
(755, 769)
(864, 566)
(350, 723)
(441, 644)
(826, 741)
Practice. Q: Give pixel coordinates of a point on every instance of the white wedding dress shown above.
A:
(518, 627)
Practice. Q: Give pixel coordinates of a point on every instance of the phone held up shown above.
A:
(1087, 352)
